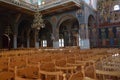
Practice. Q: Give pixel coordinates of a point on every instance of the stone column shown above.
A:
(55, 44)
(15, 24)
(82, 36)
(84, 40)
(69, 40)
(56, 39)
(36, 39)
(87, 40)
(79, 38)
(28, 39)
(15, 41)
(28, 42)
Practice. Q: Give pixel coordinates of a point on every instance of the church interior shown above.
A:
(59, 39)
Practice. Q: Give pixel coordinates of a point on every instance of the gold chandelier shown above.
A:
(38, 22)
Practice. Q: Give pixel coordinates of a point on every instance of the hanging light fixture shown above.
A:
(38, 22)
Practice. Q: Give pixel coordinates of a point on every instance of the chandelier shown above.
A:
(38, 22)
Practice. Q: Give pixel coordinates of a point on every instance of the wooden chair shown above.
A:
(49, 72)
(76, 76)
(16, 61)
(62, 65)
(110, 69)
(27, 73)
(3, 64)
(6, 75)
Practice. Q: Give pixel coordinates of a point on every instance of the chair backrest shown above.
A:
(61, 62)
(6, 75)
(47, 66)
(76, 76)
(27, 73)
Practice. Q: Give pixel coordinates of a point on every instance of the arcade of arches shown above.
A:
(81, 26)
(69, 31)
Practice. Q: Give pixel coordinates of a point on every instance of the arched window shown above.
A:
(44, 43)
(61, 41)
(116, 7)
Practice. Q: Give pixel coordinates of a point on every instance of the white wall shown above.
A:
(92, 3)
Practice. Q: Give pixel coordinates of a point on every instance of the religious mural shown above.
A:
(109, 21)
(109, 11)
(103, 37)
(110, 36)
(118, 34)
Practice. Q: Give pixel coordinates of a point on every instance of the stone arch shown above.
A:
(68, 29)
(63, 18)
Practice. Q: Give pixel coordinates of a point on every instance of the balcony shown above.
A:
(57, 6)
(20, 3)
(49, 6)
(54, 3)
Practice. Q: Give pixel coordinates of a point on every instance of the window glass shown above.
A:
(116, 7)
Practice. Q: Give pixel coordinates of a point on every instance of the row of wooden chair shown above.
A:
(110, 68)
(55, 65)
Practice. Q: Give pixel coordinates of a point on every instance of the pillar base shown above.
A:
(36, 44)
(55, 44)
(15, 42)
(84, 44)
